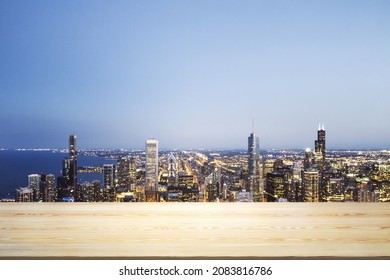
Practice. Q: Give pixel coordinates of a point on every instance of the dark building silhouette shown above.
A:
(319, 148)
(67, 184)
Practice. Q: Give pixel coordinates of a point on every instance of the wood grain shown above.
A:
(194, 230)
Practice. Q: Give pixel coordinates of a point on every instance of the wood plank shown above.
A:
(194, 229)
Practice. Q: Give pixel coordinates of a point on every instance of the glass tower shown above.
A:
(253, 155)
(151, 176)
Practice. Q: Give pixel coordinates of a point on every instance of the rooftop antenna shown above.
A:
(253, 125)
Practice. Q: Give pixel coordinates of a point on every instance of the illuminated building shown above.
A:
(151, 174)
(213, 185)
(311, 184)
(109, 188)
(47, 188)
(275, 186)
(51, 188)
(308, 158)
(332, 187)
(253, 164)
(24, 195)
(269, 164)
(126, 174)
(133, 175)
(34, 182)
(172, 170)
(381, 181)
(319, 148)
(253, 155)
(67, 184)
(90, 192)
(186, 181)
(72, 162)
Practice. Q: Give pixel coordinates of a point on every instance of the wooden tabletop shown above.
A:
(206, 230)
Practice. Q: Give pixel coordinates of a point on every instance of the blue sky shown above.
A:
(193, 74)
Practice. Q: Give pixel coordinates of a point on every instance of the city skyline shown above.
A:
(194, 74)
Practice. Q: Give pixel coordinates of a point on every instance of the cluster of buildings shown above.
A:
(210, 176)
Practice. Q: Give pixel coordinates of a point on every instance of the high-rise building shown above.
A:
(276, 187)
(34, 183)
(133, 174)
(109, 188)
(51, 191)
(253, 164)
(124, 174)
(47, 188)
(67, 183)
(172, 170)
(253, 154)
(311, 184)
(72, 162)
(319, 147)
(151, 176)
(108, 175)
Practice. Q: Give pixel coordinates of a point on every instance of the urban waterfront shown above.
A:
(152, 175)
(195, 230)
(15, 165)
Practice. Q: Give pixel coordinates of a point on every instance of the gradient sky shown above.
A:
(193, 74)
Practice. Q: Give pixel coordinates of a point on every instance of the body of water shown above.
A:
(16, 165)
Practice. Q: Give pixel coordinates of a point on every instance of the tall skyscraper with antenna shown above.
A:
(319, 146)
(72, 161)
(253, 160)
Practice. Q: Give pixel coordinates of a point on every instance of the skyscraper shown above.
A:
(67, 183)
(34, 182)
(172, 170)
(253, 162)
(108, 175)
(253, 154)
(109, 187)
(311, 184)
(319, 146)
(72, 162)
(151, 166)
(123, 174)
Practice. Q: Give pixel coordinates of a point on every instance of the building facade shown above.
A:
(151, 166)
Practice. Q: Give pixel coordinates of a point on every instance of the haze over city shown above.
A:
(193, 74)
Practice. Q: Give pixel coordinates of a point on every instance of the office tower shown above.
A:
(90, 191)
(172, 170)
(311, 184)
(72, 162)
(151, 176)
(276, 187)
(34, 182)
(43, 189)
(308, 158)
(332, 190)
(109, 189)
(123, 174)
(253, 154)
(319, 149)
(108, 175)
(47, 188)
(67, 183)
(133, 174)
(253, 163)
(213, 185)
(51, 191)
(24, 195)
(66, 169)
